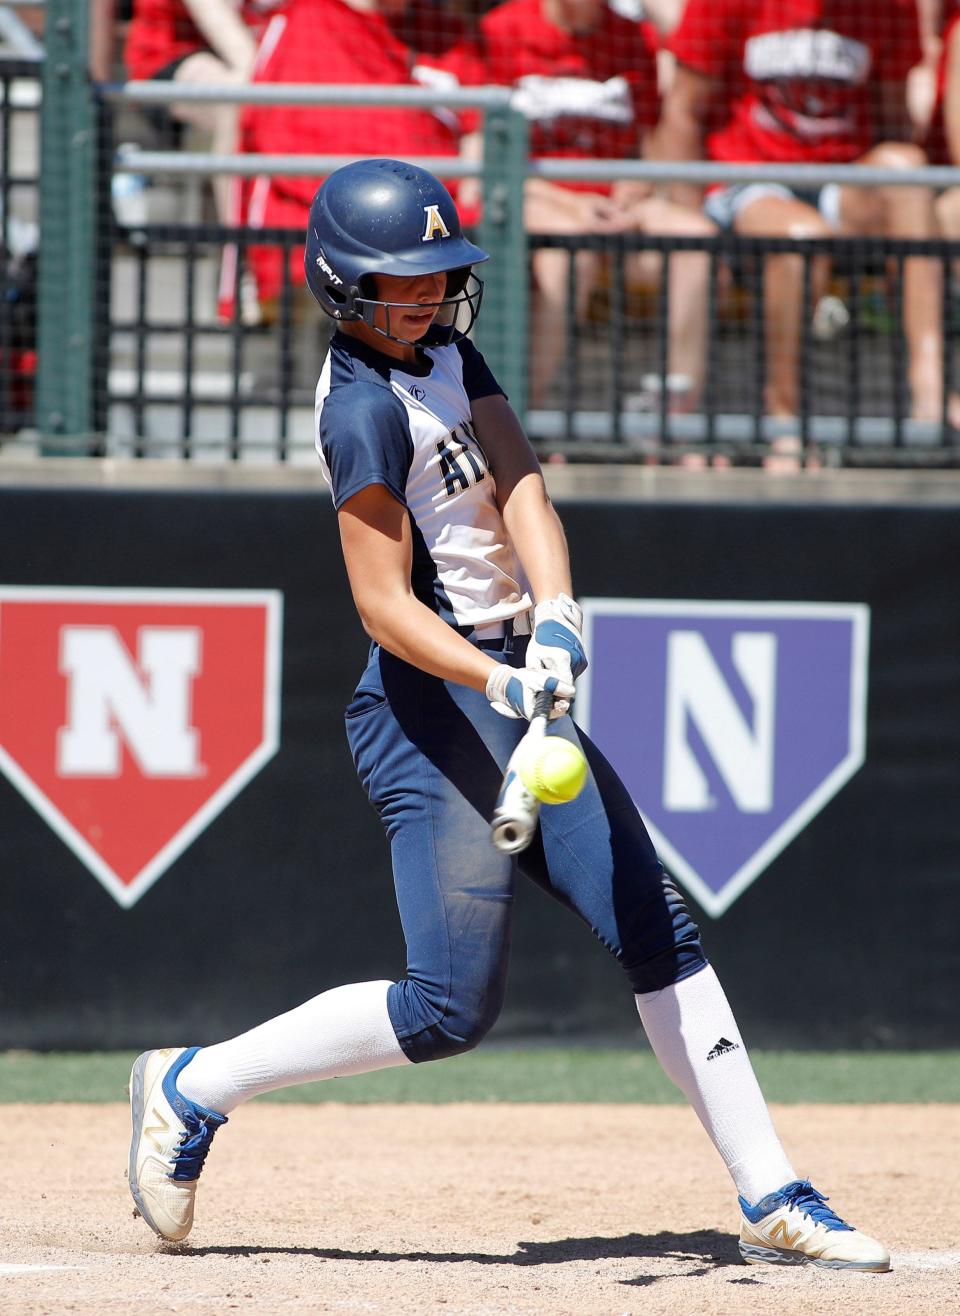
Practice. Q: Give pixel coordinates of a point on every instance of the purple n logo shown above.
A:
(732, 724)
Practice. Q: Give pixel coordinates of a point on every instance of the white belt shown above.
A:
(496, 630)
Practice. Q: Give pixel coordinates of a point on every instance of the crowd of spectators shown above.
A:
(586, 79)
(764, 81)
(194, 43)
(792, 93)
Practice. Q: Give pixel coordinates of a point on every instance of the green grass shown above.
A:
(538, 1073)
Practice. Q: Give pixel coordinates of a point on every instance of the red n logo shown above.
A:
(130, 718)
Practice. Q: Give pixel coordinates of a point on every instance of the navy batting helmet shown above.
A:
(387, 217)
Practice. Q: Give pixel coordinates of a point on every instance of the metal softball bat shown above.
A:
(517, 809)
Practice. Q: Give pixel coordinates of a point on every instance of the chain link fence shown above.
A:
(140, 328)
(19, 240)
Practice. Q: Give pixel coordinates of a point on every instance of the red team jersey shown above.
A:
(519, 47)
(325, 41)
(162, 32)
(797, 74)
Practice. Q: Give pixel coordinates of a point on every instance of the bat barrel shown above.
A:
(515, 815)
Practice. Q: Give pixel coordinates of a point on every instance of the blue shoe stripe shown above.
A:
(200, 1122)
(802, 1196)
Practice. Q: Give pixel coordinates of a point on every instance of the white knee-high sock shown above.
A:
(343, 1031)
(695, 1037)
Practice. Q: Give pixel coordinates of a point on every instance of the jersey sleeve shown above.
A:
(365, 440)
(706, 38)
(478, 379)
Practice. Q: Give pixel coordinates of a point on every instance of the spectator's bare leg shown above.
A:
(908, 212)
(689, 273)
(548, 313)
(220, 121)
(549, 209)
(778, 216)
(947, 207)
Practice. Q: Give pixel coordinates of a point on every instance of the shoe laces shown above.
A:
(805, 1198)
(194, 1145)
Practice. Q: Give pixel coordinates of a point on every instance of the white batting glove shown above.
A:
(557, 641)
(512, 690)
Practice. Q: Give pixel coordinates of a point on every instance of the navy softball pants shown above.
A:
(431, 756)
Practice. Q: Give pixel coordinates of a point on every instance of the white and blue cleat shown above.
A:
(795, 1227)
(171, 1138)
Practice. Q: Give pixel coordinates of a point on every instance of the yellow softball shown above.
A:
(554, 770)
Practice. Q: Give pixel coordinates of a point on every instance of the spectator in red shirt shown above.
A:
(808, 81)
(943, 139)
(212, 42)
(354, 42)
(586, 79)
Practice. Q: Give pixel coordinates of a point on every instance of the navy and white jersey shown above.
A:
(407, 426)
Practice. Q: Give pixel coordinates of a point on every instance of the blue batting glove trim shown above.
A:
(517, 694)
(514, 693)
(554, 635)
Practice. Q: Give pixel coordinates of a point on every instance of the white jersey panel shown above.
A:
(450, 490)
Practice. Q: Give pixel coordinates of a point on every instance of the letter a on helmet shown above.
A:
(434, 224)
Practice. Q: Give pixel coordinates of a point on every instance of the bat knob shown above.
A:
(510, 835)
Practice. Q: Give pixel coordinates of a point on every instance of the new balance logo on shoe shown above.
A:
(155, 1133)
(779, 1231)
(722, 1047)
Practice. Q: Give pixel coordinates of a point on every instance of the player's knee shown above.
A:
(465, 1034)
(455, 1028)
(665, 946)
(447, 1037)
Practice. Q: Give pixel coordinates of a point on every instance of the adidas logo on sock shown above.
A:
(722, 1047)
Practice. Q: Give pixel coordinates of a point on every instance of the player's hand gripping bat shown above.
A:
(517, 809)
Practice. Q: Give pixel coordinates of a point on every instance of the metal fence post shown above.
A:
(65, 294)
(502, 328)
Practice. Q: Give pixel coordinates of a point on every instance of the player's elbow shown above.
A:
(380, 615)
(368, 622)
(372, 621)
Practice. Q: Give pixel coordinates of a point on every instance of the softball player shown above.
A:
(459, 570)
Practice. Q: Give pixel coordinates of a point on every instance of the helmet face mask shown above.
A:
(390, 218)
(455, 313)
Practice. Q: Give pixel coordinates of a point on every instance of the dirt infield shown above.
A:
(473, 1209)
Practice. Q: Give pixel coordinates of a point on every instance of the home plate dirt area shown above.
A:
(470, 1209)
